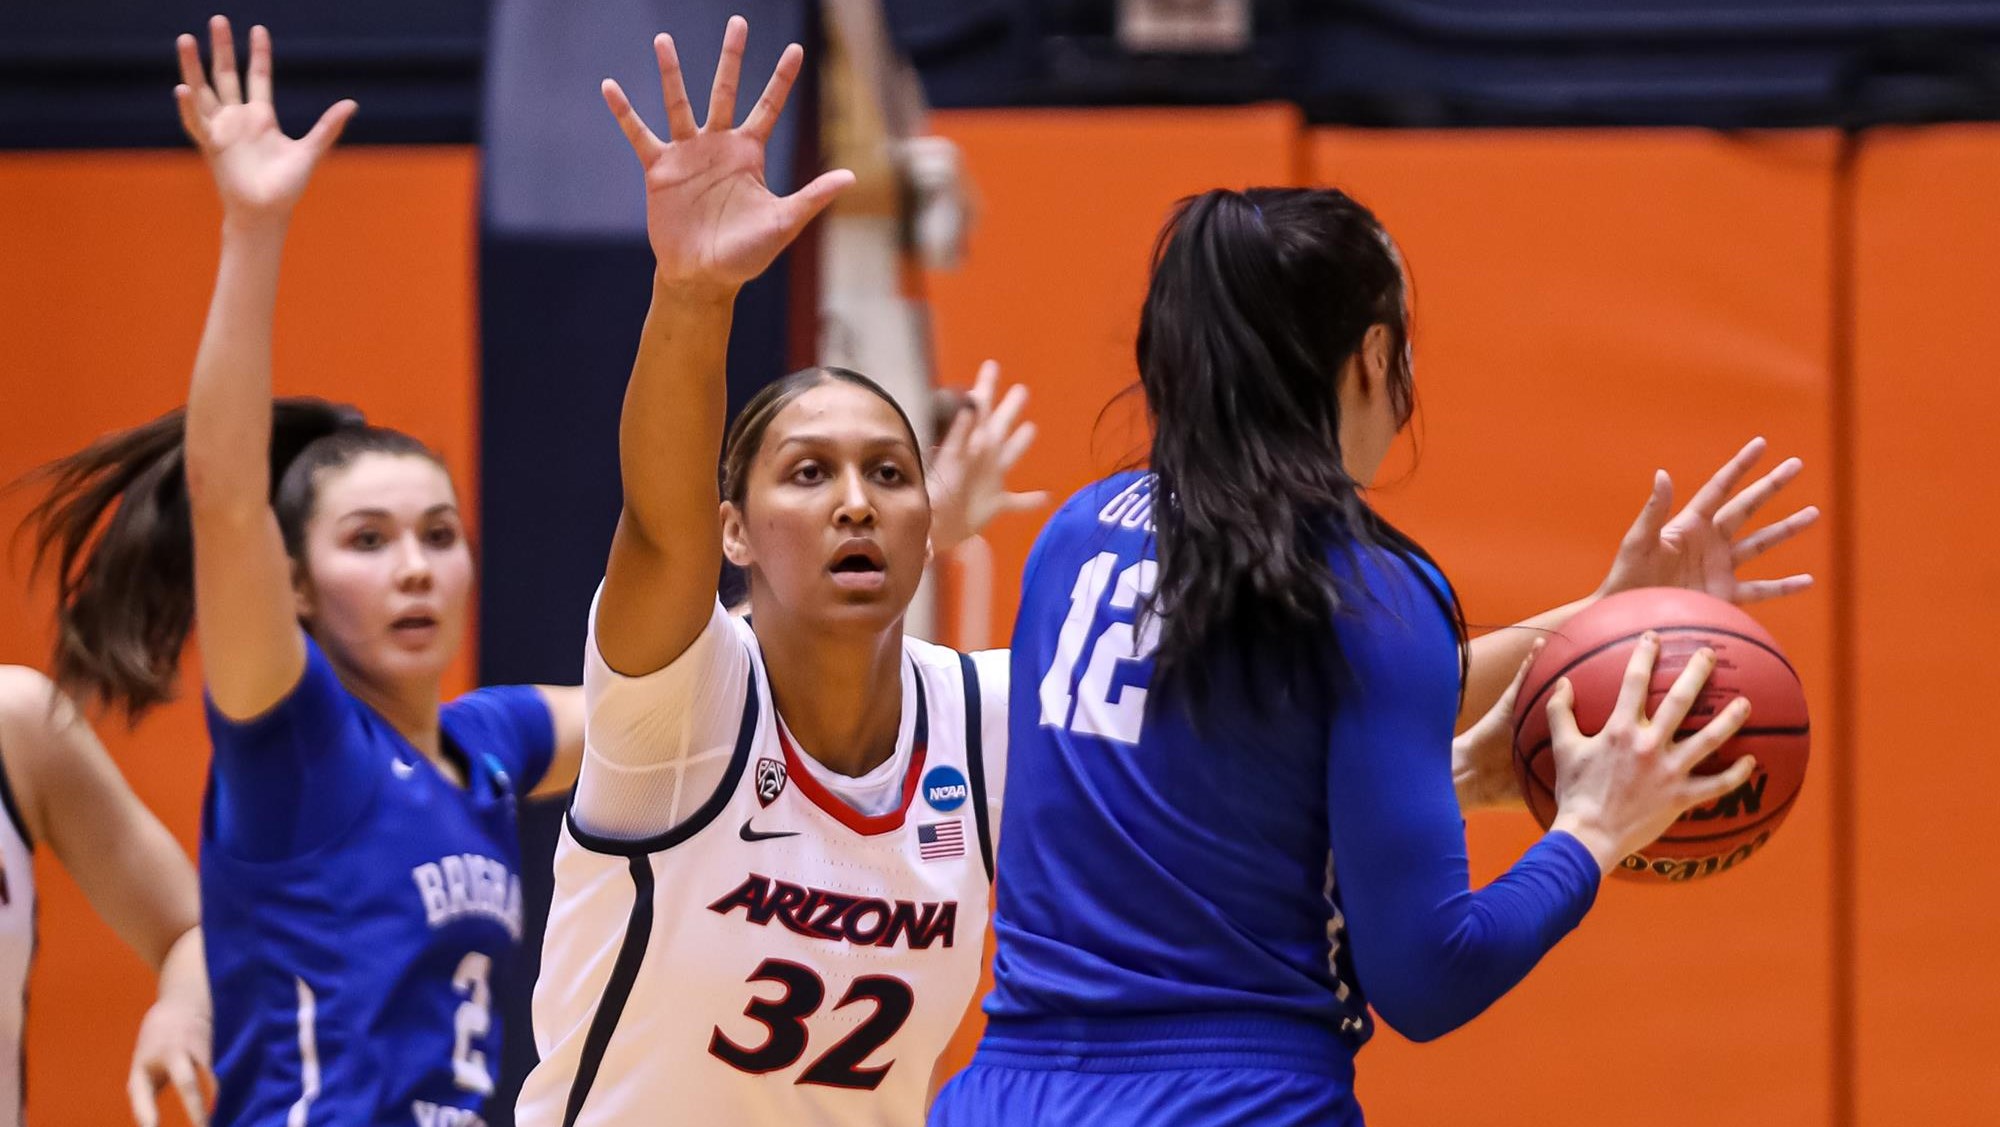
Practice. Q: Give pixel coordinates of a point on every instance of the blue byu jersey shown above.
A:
(360, 908)
(1236, 892)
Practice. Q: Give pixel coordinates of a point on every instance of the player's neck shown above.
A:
(410, 709)
(842, 698)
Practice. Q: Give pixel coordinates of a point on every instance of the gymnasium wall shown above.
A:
(1590, 305)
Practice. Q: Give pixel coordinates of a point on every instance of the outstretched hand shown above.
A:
(1701, 548)
(968, 477)
(260, 172)
(713, 222)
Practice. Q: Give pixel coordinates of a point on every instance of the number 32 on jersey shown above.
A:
(784, 1021)
(1096, 708)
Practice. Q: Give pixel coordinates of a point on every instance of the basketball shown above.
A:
(1592, 650)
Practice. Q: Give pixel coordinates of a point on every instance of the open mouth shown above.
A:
(414, 627)
(858, 564)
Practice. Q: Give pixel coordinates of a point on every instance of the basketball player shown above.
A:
(59, 787)
(359, 854)
(1232, 819)
(771, 891)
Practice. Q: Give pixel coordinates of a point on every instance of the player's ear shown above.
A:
(735, 546)
(303, 599)
(1375, 360)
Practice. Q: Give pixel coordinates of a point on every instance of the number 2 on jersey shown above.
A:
(1096, 709)
(474, 1020)
(785, 1019)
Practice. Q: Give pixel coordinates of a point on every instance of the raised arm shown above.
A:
(714, 225)
(252, 649)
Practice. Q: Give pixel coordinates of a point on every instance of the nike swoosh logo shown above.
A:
(748, 834)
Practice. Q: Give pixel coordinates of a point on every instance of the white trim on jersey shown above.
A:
(308, 1056)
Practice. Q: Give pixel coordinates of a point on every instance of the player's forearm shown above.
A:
(184, 972)
(659, 583)
(670, 433)
(229, 398)
(134, 874)
(1493, 659)
(1451, 961)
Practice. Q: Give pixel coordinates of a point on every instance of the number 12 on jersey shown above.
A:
(1095, 708)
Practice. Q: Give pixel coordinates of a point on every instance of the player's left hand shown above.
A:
(173, 1048)
(968, 476)
(1701, 548)
(1482, 756)
(713, 222)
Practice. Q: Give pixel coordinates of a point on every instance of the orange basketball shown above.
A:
(1592, 650)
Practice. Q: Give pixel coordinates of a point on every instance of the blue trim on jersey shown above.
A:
(975, 761)
(13, 809)
(617, 989)
(746, 735)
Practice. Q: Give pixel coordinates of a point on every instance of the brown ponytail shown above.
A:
(116, 526)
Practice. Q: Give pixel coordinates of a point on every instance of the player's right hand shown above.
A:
(1619, 790)
(259, 172)
(713, 222)
(968, 474)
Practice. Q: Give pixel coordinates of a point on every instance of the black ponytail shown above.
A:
(116, 526)
(1256, 302)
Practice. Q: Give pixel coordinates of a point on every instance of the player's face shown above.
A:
(387, 572)
(836, 522)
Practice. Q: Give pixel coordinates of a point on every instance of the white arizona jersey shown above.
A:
(17, 948)
(777, 956)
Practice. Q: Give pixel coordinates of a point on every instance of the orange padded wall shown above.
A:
(1926, 611)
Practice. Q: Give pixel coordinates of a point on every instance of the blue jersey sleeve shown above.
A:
(1430, 953)
(290, 780)
(512, 724)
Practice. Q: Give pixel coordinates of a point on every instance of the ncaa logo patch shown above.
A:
(770, 780)
(945, 789)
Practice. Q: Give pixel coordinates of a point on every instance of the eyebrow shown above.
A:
(434, 510)
(810, 439)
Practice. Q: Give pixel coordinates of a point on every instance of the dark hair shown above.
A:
(1257, 300)
(117, 527)
(746, 434)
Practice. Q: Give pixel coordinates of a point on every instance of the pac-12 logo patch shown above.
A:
(770, 780)
(945, 789)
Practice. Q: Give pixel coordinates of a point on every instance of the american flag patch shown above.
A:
(936, 840)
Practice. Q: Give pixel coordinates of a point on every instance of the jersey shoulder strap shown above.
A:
(975, 760)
